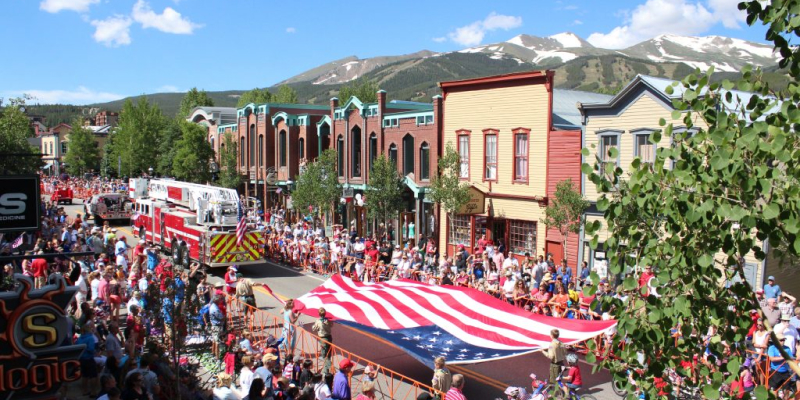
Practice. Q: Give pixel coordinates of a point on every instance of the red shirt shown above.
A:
(39, 268)
(575, 374)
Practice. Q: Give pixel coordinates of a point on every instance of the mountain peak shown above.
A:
(568, 39)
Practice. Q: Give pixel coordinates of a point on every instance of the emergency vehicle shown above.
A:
(167, 212)
(108, 206)
(62, 194)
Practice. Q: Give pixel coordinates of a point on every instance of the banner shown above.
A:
(20, 203)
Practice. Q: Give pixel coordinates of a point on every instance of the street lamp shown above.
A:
(150, 171)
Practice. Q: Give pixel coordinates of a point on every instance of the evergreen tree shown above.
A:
(83, 155)
(141, 125)
(229, 176)
(193, 154)
(194, 98)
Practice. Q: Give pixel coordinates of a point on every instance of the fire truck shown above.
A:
(167, 212)
(107, 206)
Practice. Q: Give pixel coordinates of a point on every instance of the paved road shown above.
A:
(485, 381)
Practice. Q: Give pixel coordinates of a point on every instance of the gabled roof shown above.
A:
(565, 111)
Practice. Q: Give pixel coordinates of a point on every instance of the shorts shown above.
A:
(41, 281)
(215, 331)
(778, 379)
(572, 386)
(88, 368)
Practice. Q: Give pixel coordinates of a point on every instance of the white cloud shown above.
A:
(113, 31)
(577, 22)
(679, 17)
(472, 34)
(291, 30)
(169, 21)
(82, 95)
(168, 89)
(571, 7)
(54, 6)
(440, 39)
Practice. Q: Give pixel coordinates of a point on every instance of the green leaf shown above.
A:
(585, 152)
(733, 365)
(590, 357)
(655, 137)
(586, 169)
(761, 393)
(771, 211)
(602, 203)
(629, 283)
(705, 260)
(718, 161)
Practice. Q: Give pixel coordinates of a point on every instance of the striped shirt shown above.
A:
(454, 394)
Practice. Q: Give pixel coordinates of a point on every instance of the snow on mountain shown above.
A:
(567, 39)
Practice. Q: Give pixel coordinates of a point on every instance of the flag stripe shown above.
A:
(468, 315)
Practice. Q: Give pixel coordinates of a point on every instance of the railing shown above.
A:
(388, 384)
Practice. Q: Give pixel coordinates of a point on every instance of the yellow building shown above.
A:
(55, 142)
(512, 155)
(625, 122)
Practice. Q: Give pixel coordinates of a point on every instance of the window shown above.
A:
(340, 155)
(522, 237)
(420, 120)
(63, 148)
(212, 143)
(460, 231)
(241, 151)
(260, 150)
(51, 148)
(393, 154)
(608, 142)
(282, 148)
(643, 149)
(424, 162)
(252, 139)
(356, 152)
(373, 150)
(408, 154)
(521, 157)
(463, 153)
(301, 152)
(428, 119)
(490, 156)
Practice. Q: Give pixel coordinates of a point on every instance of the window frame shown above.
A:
(519, 229)
(486, 134)
(392, 153)
(465, 134)
(301, 148)
(424, 162)
(283, 141)
(601, 135)
(643, 132)
(527, 133)
(340, 155)
(459, 221)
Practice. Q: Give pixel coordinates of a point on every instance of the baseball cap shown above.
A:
(760, 291)
(269, 357)
(771, 278)
(346, 363)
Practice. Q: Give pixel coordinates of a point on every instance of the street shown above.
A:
(484, 380)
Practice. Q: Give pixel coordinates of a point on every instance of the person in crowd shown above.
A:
(225, 389)
(456, 391)
(134, 387)
(341, 381)
(772, 290)
(323, 327)
(367, 391)
(264, 372)
(556, 354)
(572, 379)
(256, 390)
(771, 312)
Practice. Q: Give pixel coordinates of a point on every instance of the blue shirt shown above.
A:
(152, 259)
(180, 289)
(89, 340)
(215, 314)
(772, 291)
(341, 388)
(778, 366)
(167, 309)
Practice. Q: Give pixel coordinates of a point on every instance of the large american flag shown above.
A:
(462, 324)
(241, 227)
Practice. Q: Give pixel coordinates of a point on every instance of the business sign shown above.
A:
(36, 351)
(20, 203)
(476, 203)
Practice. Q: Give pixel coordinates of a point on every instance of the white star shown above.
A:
(464, 351)
(432, 340)
(478, 354)
(446, 349)
(420, 346)
(390, 332)
(430, 346)
(417, 337)
(406, 338)
(449, 342)
(495, 355)
(437, 333)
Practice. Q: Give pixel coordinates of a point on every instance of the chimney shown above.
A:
(381, 102)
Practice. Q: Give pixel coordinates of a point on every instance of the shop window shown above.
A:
(460, 230)
(522, 237)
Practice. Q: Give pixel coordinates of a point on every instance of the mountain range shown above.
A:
(577, 64)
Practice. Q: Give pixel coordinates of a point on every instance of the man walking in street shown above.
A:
(341, 381)
(556, 354)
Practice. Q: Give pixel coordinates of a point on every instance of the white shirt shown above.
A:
(225, 393)
(95, 288)
(601, 268)
(322, 392)
(246, 379)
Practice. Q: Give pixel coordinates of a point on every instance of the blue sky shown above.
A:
(85, 51)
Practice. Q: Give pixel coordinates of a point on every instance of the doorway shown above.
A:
(499, 232)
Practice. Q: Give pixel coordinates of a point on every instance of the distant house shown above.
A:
(55, 142)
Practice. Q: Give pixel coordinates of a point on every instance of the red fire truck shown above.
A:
(167, 212)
